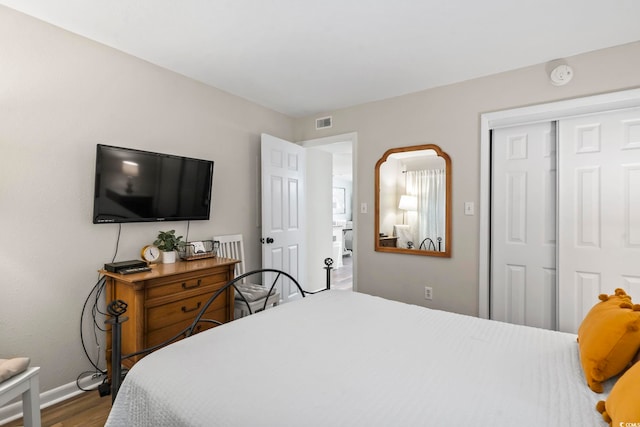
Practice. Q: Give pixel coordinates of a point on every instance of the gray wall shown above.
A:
(449, 116)
(60, 95)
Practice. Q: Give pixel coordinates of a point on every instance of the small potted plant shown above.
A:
(168, 242)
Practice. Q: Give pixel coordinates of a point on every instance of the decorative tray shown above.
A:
(198, 250)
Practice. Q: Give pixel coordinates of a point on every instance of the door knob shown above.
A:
(269, 239)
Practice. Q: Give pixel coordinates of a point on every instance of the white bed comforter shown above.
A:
(347, 359)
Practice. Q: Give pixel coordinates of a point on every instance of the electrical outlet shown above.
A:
(428, 293)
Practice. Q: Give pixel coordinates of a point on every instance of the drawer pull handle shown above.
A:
(187, 310)
(185, 286)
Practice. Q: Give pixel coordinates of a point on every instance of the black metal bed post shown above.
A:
(116, 309)
(328, 262)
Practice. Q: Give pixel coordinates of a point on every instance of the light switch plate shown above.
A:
(363, 208)
(468, 208)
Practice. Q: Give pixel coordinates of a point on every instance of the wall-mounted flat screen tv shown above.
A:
(141, 186)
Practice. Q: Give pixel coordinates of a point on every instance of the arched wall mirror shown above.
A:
(413, 201)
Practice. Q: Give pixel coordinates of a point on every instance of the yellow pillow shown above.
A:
(609, 338)
(607, 302)
(622, 407)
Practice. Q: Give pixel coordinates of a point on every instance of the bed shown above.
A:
(342, 358)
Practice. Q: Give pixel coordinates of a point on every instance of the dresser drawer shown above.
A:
(165, 300)
(160, 335)
(159, 288)
(179, 311)
(389, 242)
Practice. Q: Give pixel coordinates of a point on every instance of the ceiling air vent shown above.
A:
(324, 122)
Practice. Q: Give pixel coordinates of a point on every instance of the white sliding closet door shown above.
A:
(523, 225)
(599, 205)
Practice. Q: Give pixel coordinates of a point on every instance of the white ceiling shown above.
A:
(304, 57)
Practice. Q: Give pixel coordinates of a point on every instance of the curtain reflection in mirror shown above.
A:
(429, 221)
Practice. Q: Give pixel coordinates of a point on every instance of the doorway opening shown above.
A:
(343, 227)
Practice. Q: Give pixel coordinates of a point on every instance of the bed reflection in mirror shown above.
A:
(413, 201)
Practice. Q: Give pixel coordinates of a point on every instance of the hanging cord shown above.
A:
(95, 310)
(117, 242)
(97, 290)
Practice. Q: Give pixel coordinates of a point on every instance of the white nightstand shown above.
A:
(26, 384)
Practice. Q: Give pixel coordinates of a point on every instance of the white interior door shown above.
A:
(283, 206)
(523, 225)
(599, 204)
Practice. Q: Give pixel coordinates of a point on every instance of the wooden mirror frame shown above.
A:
(447, 239)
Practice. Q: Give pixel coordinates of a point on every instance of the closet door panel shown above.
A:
(599, 210)
(523, 212)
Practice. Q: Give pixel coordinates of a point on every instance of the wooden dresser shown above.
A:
(165, 300)
(390, 242)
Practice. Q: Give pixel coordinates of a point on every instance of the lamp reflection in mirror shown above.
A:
(407, 203)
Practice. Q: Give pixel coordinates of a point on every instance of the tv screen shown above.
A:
(141, 186)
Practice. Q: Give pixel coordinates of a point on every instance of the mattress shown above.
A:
(348, 359)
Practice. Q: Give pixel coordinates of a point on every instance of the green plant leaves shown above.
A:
(168, 241)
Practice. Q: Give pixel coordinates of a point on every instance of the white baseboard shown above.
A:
(13, 411)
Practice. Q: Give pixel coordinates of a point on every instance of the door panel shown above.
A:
(599, 222)
(523, 211)
(283, 221)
